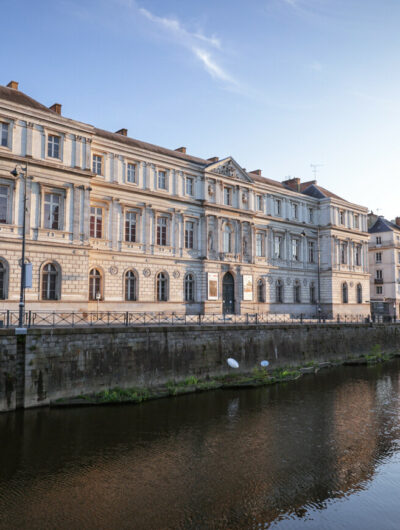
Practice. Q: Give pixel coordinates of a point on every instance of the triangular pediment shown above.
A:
(228, 167)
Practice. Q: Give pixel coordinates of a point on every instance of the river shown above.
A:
(318, 453)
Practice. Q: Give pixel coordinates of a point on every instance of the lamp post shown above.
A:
(394, 312)
(20, 170)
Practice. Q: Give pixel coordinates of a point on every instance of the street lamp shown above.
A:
(20, 170)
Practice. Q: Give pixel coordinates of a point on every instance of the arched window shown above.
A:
(189, 288)
(95, 285)
(296, 292)
(279, 291)
(312, 293)
(162, 287)
(260, 291)
(228, 238)
(345, 293)
(3, 281)
(130, 286)
(50, 282)
(359, 293)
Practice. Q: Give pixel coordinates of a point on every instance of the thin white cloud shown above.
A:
(212, 67)
(316, 66)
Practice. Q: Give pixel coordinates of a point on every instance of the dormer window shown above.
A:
(4, 134)
(53, 146)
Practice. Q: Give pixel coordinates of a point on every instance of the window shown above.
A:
(345, 294)
(49, 282)
(312, 293)
(378, 257)
(296, 292)
(4, 203)
(310, 215)
(378, 240)
(189, 186)
(278, 207)
(189, 234)
(260, 244)
(357, 255)
(162, 180)
(398, 256)
(343, 253)
(379, 274)
(379, 289)
(189, 288)
(342, 217)
(130, 286)
(279, 291)
(4, 134)
(162, 287)
(94, 285)
(295, 250)
(96, 222)
(295, 210)
(97, 164)
(260, 291)
(53, 146)
(162, 224)
(278, 246)
(359, 293)
(131, 172)
(356, 221)
(311, 252)
(228, 239)
(52, 202)
(228, 196)
(3, 281)
(259, 202)
(130, 227)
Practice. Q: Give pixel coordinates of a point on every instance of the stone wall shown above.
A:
(68, 362)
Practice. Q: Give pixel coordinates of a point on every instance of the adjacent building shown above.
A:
(384, 266)
(126, 225)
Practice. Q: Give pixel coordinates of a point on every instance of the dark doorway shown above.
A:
(228, 294)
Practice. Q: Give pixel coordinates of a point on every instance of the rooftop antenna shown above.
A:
(315, 169)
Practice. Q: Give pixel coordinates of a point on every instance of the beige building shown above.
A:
(144, 228)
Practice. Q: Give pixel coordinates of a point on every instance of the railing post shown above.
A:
(199, 319)
(126, 318)
(54, 318)
(8, 318)
(247, 318)
(256, 318)
(73, 319)
(301, 318)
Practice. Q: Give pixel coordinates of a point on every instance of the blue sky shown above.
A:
(277, 84)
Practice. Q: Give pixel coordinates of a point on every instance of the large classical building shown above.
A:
(384, 266)
(126, 225)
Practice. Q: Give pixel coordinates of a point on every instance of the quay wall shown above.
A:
(48, 364)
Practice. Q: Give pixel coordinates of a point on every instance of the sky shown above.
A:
(277, 84)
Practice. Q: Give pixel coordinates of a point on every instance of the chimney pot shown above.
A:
(13, 84)
(257, 172)
(56, 107)
(292, 183)
(181, 150)
(397, 221)
(124, 132)
(213, 159)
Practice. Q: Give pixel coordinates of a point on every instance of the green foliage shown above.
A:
(117, 395)
(190, 381)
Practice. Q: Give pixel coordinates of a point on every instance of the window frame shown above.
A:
(4, 284)
(9, 198)
(100, 284)
(162, 176)
(128, 225)
(189, 180)
(94, 235)
(8, 124)
(54, 146)
(260, 244)
(162, 230)
(376, 257)
(46, 279)
(189, 234)
(62, 196)
(100, 157)
(228, 195)
(189, 286)
(129, 165)
(162, 289)
(127, 281)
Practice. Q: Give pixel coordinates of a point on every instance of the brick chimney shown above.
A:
(13, 84)
(123, 132)
(57, 108)
(213, 159)
(292, 183)
(397, 221)
(257, 172)
(181, 150)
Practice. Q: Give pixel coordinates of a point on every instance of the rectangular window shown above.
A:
(356, 221)
(4, 203)
(260, 244)
(97, 164)
(378, 257)
(378, 240)
(96, 222)
(259, 202)
(228, 196)
(4, 134)
(379, 274)
(311, 252)
(189, 234)
(295, 210)
(379, 289)
(357, 255)
(130, 227)
(162, 180)
(53, 146)
(278, 207)
(278, 242)
(295, 250)
(310, 215)
(398, 257)
(131, 172)
(52, 206)
(343, 253)
(162, 223)
(189, 186)
(342, 217)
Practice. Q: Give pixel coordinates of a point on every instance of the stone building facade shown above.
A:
(121, 224)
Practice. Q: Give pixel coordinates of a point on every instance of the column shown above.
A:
(75, 195)
(88, 153)
(78, 151)
(86, 212)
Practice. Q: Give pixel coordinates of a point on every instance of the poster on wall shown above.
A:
(212, 285)
(247, 287)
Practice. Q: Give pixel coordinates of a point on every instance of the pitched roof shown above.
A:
(318, 192)
(16, 96)
(383, 225)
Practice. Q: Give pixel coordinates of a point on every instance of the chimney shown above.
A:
(397, 221)
(257, 172)
(292, 183)
(181, 150)
(57, 108)
(124, 132)
(213, 159)
(13, 84)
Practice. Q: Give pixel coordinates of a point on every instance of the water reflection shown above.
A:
(285, 456)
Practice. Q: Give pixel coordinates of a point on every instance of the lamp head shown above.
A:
(14, 172)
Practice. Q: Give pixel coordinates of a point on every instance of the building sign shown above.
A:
(247, 287)
(212, 285)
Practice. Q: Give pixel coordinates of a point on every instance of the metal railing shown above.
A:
(37, 319)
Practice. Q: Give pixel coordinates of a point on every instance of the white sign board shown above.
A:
(247, 287)
(212, 282)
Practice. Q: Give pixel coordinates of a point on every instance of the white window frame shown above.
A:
(8, 123)
(162, 176)
(130, 165)
(61, 195)
(99, 156)
(228, 194)
(9, 197)
(97, 207)
(189, 186)
(378, 257)
(278, 207)
(51, 146)
(260, 244)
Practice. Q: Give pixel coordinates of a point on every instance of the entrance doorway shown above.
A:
(228, 294)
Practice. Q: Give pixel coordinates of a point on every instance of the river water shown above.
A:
(322, 452)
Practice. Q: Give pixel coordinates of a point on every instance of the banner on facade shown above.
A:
(212, 285)
(247, 287)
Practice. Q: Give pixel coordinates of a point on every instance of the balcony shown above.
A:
(378, 281)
